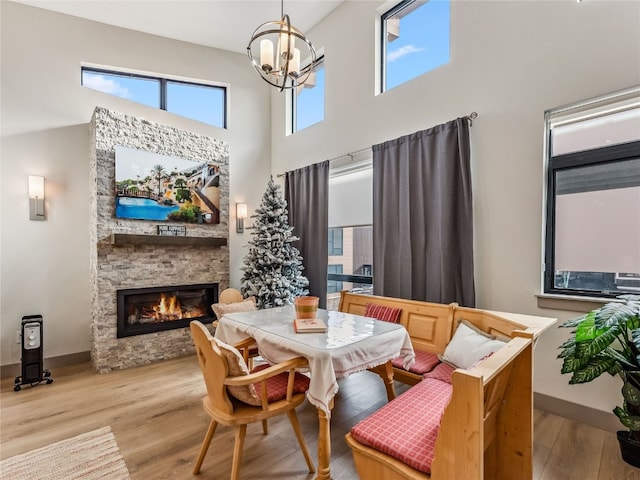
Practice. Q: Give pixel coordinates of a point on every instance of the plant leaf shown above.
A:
(569, 343)
(571, 364)
(620, 358)
(600, 341)
(631, 394)
(593, 369)
(632, 422)
(574, 322)
(617, 314)
(587, 329)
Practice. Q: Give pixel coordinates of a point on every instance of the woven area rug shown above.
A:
(90, 456)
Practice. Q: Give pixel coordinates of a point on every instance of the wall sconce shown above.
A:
(241, 214)
(36, 198)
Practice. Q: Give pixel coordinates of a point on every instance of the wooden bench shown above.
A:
(486, 431)
(431, 325)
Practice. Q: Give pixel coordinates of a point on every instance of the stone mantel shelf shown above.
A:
(131, 239)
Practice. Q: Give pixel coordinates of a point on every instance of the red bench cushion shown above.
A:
(407, 427)
(424, 362)
(277, 386)
(380, 312)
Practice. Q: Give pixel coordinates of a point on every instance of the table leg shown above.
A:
(324, 445)
(386, 373)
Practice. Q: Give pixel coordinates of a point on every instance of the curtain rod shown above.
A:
(471, 117)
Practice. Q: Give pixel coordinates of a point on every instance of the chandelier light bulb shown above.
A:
(266, 55)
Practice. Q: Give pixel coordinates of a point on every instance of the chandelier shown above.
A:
(283, 69)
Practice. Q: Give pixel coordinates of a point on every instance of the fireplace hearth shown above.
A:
(147, 310)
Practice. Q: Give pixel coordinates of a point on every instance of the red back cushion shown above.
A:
(424, 362)
(380, 312)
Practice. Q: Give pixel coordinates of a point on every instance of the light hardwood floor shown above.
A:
(156, 415)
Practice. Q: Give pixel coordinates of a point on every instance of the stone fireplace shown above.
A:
(129, 255)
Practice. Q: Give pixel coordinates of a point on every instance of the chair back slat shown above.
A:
(213, 365)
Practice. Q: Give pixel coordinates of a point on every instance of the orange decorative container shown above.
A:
(306, 307)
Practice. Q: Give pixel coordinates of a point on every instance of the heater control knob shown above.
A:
(31, 335)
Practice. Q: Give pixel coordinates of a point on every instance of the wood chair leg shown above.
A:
(205, 445)
(265, 427)
(293, 418)
(241, 431)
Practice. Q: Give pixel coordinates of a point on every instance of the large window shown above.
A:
(335, 241)
(592, 245)
(415, 40)
(201, 102)
(351, 269)
(308, 99)
(333, 271)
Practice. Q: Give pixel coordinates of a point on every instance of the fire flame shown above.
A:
(168, 308)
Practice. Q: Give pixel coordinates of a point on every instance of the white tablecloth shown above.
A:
(351, 344)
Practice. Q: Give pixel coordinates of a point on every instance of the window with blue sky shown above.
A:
(201, 102)
(308, 99)
(415, 39)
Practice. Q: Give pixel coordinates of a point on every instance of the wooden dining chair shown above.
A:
(236, 397)
(230, 295)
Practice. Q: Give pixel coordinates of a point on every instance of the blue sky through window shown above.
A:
(423, 44)
(310, 102)
(141, 90)
(204, 103)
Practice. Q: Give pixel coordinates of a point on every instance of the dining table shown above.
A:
(352, 343)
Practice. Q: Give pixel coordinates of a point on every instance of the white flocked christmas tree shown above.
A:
(273, 266)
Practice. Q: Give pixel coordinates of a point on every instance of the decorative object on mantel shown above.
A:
(608, 340)
(273, 266)
(172, 230)
(131, 239)
(284, 69)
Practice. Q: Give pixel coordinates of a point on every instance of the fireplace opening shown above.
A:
(148, 310)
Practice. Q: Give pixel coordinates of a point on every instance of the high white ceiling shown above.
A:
(225, 24)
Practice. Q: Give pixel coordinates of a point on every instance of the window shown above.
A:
(352, 268)
(201, 102)
(308, 99)
(415, 40)
(592, 245)
(335, 241)
(333, 286)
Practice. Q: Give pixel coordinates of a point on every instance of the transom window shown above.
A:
(202, 102)
(592, 245)
(415, 40)
(307, 100)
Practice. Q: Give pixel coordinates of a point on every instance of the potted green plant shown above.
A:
(608, 340)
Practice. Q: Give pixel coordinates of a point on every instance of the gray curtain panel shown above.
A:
(307, 193)
(422, 216)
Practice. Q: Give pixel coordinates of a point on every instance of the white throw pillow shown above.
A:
(469, 345)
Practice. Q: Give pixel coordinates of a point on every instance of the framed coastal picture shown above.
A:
(157, 187)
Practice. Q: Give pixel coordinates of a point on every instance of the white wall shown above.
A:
(45, 115)
(510, 61)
